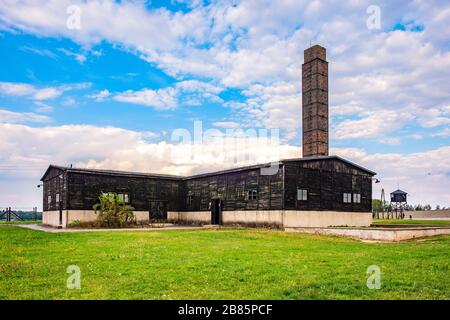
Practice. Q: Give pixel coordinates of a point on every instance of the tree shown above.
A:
(113, 211)
(376, 205)
(438, 207)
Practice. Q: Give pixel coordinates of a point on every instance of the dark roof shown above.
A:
(165, 176)
(398, 191)
(112, 173)
(332, 157)
(266, 165)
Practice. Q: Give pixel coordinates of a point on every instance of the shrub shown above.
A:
(113, 212)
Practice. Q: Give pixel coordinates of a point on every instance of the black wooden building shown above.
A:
(327, 183)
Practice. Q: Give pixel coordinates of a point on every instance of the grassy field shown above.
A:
(418, 222)
(217, 264)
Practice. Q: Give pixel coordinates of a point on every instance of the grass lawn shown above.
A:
(217, 264)
(407, 221)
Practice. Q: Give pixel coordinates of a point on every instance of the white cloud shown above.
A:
(38, 51)
(39, 94)
(46, 93)
(443, 133)
(81, 58)
(226, 124)
(374, 125)
(7, 116)
(101, 95)
(158, 99)
(16, 89)
(189, 92)
(42, 107)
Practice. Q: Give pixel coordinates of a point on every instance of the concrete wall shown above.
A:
(189, 216)
(273, 217)
(52, 217)
(326, 219)
(377, 234)
(284, 218)
(433, 214)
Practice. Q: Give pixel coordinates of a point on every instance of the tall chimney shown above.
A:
(315, 102)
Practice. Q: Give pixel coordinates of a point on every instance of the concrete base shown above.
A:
(281, 218)
(52, 218)
(377, 234)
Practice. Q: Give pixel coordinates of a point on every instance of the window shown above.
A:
(49, 199)
(189, 200)
(356, 198)
(124, 197)
(57, 198)
(302, 194)
(252, 194)
(240, 193)
(347, 198)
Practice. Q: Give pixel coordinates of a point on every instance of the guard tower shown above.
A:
(399, 202)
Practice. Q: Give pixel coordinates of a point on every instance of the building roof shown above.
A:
(398, 191)
(201, 175)
(111, 172)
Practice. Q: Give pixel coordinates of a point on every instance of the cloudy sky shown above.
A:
(109, 84)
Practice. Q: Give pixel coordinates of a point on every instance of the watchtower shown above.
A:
(398, 202)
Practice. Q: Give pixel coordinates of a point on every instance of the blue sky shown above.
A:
(111, 93)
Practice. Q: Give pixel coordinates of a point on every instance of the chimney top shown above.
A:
(315, 52)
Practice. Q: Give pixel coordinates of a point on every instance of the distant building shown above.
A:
(317, 190)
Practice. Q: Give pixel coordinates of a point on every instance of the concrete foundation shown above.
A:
(377, 234)
(52, 218)
(281, 218)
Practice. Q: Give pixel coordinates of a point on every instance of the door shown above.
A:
(216, 211)
(157, 210)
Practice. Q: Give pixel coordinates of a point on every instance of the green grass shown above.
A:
(407, 221)
(217, 264)
(21, 222)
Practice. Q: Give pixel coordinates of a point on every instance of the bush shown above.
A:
(113, 212)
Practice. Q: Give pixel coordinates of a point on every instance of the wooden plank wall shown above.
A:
(232, 188)
(326, 181)
(84, 190)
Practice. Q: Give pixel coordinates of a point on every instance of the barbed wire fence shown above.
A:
(9, 214)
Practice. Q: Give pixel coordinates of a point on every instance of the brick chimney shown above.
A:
(315, 102)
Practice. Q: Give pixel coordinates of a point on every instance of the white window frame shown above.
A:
(347, 197)
(356, 198)
(49, 199)
(57, 198)
(190, 199)
(302, 194)
(125, 197)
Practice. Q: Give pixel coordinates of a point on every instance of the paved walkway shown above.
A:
(54, 230)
